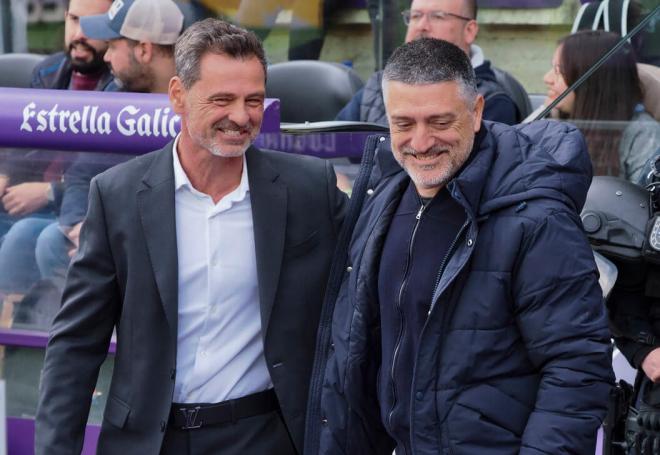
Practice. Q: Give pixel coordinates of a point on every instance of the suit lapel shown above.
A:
(268, 196)
(156, 209)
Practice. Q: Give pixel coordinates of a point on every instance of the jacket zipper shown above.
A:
(443, 264)
(400, 312)
(441, 271)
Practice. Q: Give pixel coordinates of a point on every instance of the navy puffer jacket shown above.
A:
(515, 356)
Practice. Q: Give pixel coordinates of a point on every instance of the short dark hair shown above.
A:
(215, 36)
(166, 50)
(431, 61)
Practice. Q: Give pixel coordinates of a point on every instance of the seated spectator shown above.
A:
(451, 20)
(31, 203)
(620, 134)
(141, 56)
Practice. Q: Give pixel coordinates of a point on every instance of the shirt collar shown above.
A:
(181, 180)
(476, 56)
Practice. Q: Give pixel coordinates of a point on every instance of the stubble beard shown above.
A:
(420, 175)
(215, 149)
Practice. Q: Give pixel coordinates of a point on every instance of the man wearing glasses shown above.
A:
(453, 21)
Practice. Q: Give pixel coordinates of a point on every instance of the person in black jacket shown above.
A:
(456, 22)
(463, 315)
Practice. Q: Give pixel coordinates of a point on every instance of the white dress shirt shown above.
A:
(220, 352)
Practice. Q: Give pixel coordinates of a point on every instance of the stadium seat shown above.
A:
(311, 90)
(589, 17)
(516, 91)
(17, 69)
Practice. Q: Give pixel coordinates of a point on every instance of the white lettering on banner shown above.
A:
(130, 121)
(127, 127)
(28, 113)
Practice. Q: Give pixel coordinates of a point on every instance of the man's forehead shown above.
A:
(447, 94)
(437, 4)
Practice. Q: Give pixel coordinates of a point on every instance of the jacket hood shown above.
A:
(543, 159)
(485, 72)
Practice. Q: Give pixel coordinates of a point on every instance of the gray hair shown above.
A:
(431, 61)
(217, 37)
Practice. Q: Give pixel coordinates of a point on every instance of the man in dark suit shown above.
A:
(209, 258)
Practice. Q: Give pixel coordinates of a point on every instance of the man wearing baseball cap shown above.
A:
(140, 52)
(141, 35)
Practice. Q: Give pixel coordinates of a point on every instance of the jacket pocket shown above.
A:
(497, 407)
(116, 412)
(303, 246)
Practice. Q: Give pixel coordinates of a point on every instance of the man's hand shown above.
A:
(4, 181)
(73, 235)
(651, 365)
(25, 198)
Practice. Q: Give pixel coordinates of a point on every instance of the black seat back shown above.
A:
(516, 91)
(311, 90)
(17, 69)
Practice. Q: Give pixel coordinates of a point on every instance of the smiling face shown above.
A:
(223, 110)
(432, 128)
(556, 84)
(86, 54)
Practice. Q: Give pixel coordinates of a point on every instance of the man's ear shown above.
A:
(478, 112)
(177, 94)
(143, 52)
(470, 32)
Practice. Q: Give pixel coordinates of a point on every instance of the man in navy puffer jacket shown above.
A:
(463, 314)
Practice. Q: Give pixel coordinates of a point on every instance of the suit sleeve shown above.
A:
(79, 338)
(337, 199)
(561, 316)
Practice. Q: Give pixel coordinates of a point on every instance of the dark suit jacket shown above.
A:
(125, 276)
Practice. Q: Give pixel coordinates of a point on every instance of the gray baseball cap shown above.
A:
(155, 21)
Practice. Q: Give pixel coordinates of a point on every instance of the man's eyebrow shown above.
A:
(234, 95)
(444, 116)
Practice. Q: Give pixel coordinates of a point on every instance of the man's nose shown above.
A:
(239, 114)
(421, 140)
(78, 34)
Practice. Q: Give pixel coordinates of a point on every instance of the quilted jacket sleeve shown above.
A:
(562, 320)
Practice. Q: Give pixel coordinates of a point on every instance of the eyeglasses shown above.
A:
(413, 17)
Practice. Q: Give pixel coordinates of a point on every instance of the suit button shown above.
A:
(419, 396)
(370, 192)
(172, 374)
(349, 269)
(162, 426)
(324, 421)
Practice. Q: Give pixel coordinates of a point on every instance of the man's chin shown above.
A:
(234, 151)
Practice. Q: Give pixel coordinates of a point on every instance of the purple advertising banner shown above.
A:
(95, 121)
(133, 123)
